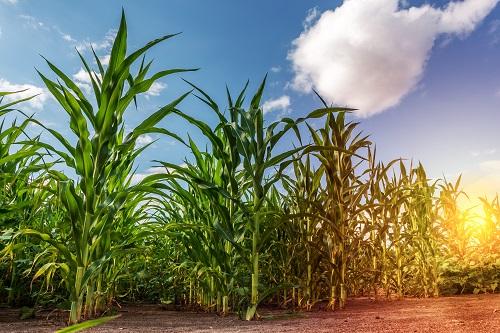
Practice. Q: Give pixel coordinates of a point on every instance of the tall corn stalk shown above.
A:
(337, 150)
(304, 196)
(97, 202)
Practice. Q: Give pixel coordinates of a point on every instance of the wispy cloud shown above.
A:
(65, 36)
(484, 152)
(276, 69)
(33, 23)
(104, 44)
(494, 31)
(100, 45)
(312, 15)
(369, 54)
(36, 24)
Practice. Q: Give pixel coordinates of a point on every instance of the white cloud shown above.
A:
(461, 17)
(281, 103)
(105, 59)
(83, 81)
(12, 2)
(143, 140)
(276, 69)
(489, 151)
(33, 23)
(67, 37)
(138, 177)
(369, 54)
(29, 90)
(104, 44)
(82, 76)
(155, 89)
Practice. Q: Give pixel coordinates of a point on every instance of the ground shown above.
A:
(471, 313)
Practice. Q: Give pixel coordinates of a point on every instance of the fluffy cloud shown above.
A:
(369, 54)
(82, 76)
(26, 90)
(282, 103)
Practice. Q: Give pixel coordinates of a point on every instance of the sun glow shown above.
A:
(474, 215)
(481, 223)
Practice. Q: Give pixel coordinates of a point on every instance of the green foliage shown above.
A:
(480, 275)
(101, 210)
(86, 324)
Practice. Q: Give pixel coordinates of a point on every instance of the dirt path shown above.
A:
(447, 314)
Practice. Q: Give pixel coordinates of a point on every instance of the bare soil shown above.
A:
(472, 313)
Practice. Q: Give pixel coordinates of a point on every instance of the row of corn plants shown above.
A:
(295, 212)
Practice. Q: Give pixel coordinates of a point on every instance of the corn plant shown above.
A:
(337, 148)
(100, 199)
(20, 202)
(489, 233)
(304, 196)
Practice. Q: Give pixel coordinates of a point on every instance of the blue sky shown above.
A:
(425, 75)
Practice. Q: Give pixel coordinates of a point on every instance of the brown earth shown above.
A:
(479, 313)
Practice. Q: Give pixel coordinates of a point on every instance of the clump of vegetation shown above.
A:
(240, 223)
